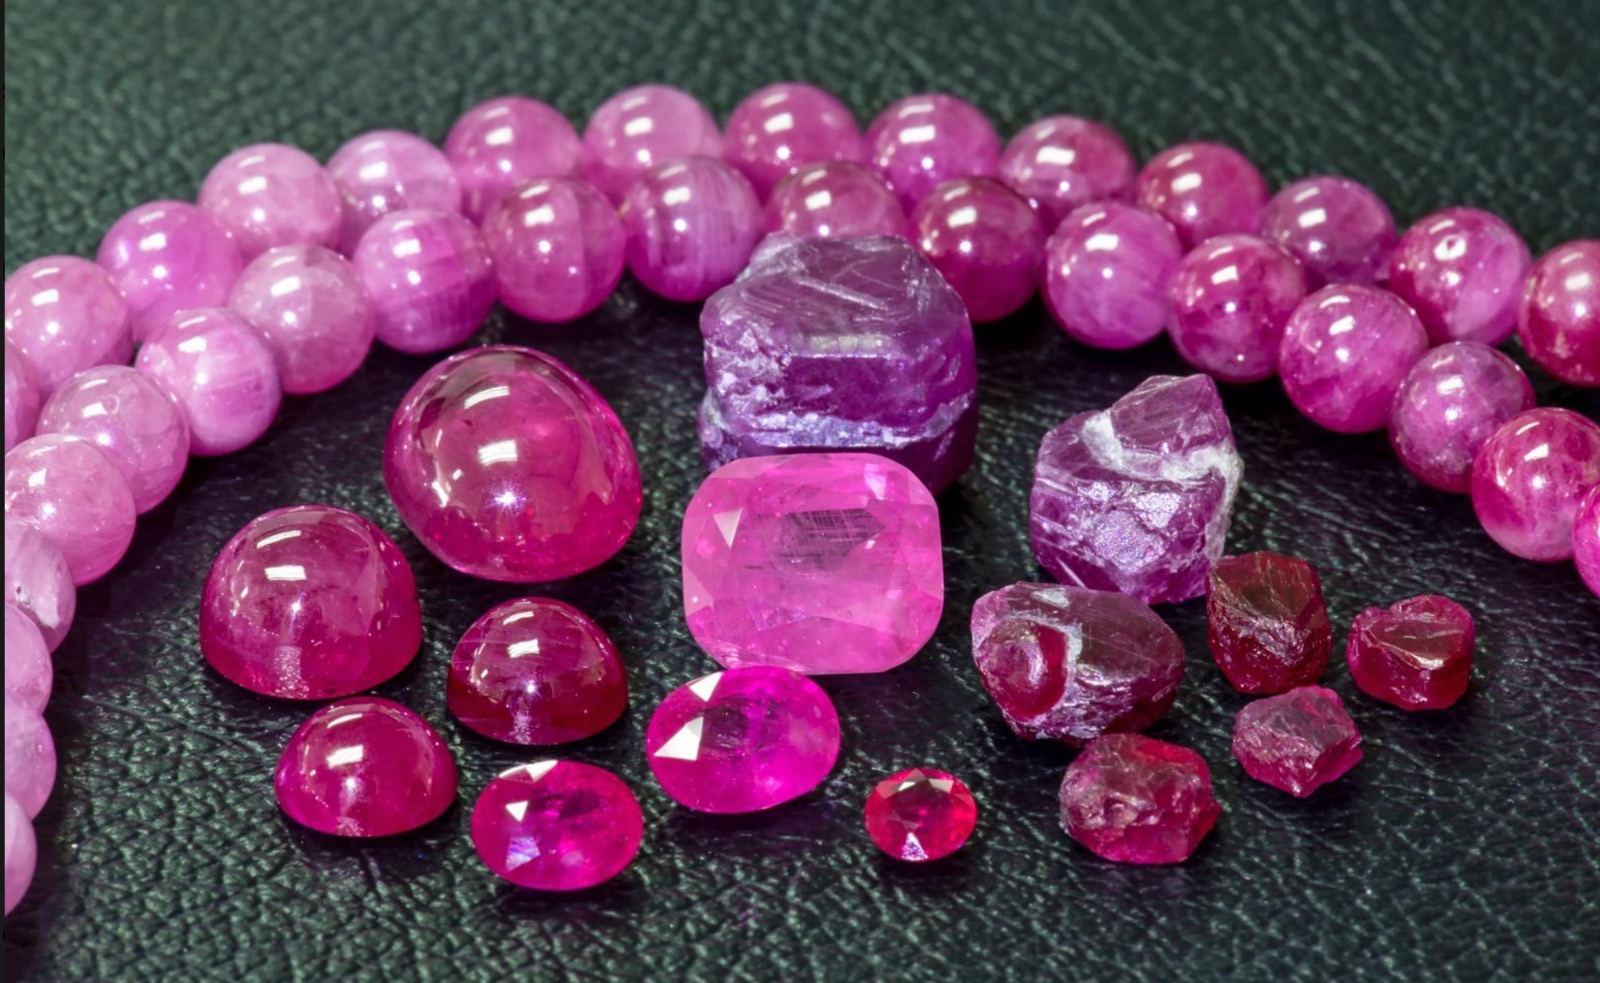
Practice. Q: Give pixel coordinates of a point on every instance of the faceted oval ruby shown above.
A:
(557, 825)
(1296, 741)
(1134, 799)
(920, 814)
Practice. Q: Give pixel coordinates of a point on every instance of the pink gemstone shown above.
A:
(1416, 654)
(819, 563)
(1558, 321)
(166, 257)
(986, 242)
(536, 671)
(1448, 405)
(1061, 163)
(1204, 190)
(920, 814)
(132, 419)
(1136, 800)
(21, 853)
(783, 126)
(1107, 270)
(1231, 297)
(1528, 477)
(499, 144)
(430, 278)
(1297, 741)
(1585, 539)
(1339, 230)
(23, 397)
(509, 466)
(557, 825)
(28, 668)
(38, 581)
(1267, 623)
(925, 140)
(691, 225)
(270, 194)
(389, 171)
(30, 755)
(365, 766)
(1345, 352)
(66, 315)
(312, 309)
(222, 373)
(837, 198)
(743, 740)
(1462, 270)
(557, 249)
(76, 497)
(638, 128)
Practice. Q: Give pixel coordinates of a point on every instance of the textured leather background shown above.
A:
(1464, 848)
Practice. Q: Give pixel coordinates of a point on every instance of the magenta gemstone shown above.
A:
(76, 497)
(925, 140)
(1267, 623)
(1231, 296)
(837, 198)
(1136, 800)
(780, 128)
(21, 853)
(1061, 163)
(920, 814)
(1528, 477)
(28, 668)
(1453, 398)
(1462, 270)
(691, 225)
(638, 128)
(557, 246)
(23, 397)
(1345, 352)
(1558, 321)
(30, 755)
(1297, 741)
(743, 740)
(1107, 270)
(985, 241)
(38, 581)
(309, 603)
(1416, 654)
(499, 144)
(1204, 190)
(365, 766)
(312, 309)
(557, 825)
(430, 278)
(1339, 230)
(166, 257)
(223, 374)
(65, 315)
(1585, 539)
(270, 194)
(132, 419)
(389, 171)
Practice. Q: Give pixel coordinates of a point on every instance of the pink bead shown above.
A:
(1231, 296)
(134, 422)
(38, 581)
(925, 140)
(30, 756)
(365, 766)
(21, 853)
(837, 198)
(1107, 270)
(1345, 352)
(1204, 190)
(783, 126)
(309, 603)
(65, 314)
(270, 194)
(28, 668)
(1448, 405)
(557, 826)
(499, 144)
(23, 398)
(920, 814)
(388, 171)
(223, 374)
(1462, 270)
(73, 495)
(985, 240)
(638, 128)
(166, 257)
(691, 226)
(1586, 539)
(1339, 230)
(509, 466)
(312, 309)
(1060, 163)
(1558, 321)
(1528, 478)
(430, 279)
(557, 249)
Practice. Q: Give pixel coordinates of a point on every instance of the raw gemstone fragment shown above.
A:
(389, 171)
(1339, 230)
(270, 194)
(783, 126)
(167, 257)
(920, 814)
(1069, 664)
(638, 128)
(690, 225)
(557, 825)
(21, 853)
(28, 668)
(1267, 623)
(835, 198)
(30, 755)
(985, 240)
(76, 497)
(1297, 741)
(1345, 351)
(23, 397)
(557, 246)
(1231, 297)
(1528, 478)
(1107, 270)
(1133, 799)
(1448, 405)
(65, 315)
(134, 421)
(1416, 654)
(502, 143)
(38, 581)
(1463, 271)
(1137, 498)
(1585, 539)
(1558, 321)
(922, 141)
(1204, 190)
(223, 374)
(1060, 163)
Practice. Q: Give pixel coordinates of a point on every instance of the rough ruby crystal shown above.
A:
(557, 825)
(920, 814)
(1297, 741)
(1416, 654)
(1528, 477)
(1136, 800)
(1267, 623)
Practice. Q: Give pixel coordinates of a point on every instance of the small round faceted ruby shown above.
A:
(365, 766)
(1416, 654)
(557, 825)
(1297, 741)
(1267, 623)
(1136, 800)
(536, 671)
(920, 814)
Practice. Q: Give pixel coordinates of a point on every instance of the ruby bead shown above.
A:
(1204, 190)
(1416, 654)
(499, 144)
(1107, 271)
(1448, 405)
(985, 241)
(920, 814)
(309, 603)
(65, 315)
(76, 497)
(1136, 800)
(313, 311)
(1528, 477)
(557, 249)
(28, 668)
(30, 755)
(365, 766)
(1267, 623)
(743, 740)
(1462, 270)
(783, 126)
(166, 257)
(536, 671)
(691, 225)
(1586, 539)
(557, 826)
(270, 194)
(922, 141)
(1297, 741)
(1060, 163)
(1345, 352)
(1339, 230)
(223, 374)
(23, 397)
(638, 128)
(430, 279)
(509, 466)
(389, 171)
(132, 419)
(21, 853)
(836, 198)
(1558, 321)
(1231, 297)
(38, 581)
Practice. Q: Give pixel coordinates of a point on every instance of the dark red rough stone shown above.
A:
(1268, 626)
(1416, 654)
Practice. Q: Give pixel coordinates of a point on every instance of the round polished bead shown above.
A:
(920, 814)
(309, 603)
(1060, 163)
(271, 194)
(1345, 351)
(499, 144)
(1586, 539)
(1339, 230)
(557, 249)
(23, 398)
(536, 671)
(65, 315)
(985, 240)
(835, 199)
(1204, 190)
(30, 756)
(222, 373)
(691, 225)
(430, 279)
(925, 140)
(38, 581)
(1107, 272)
(132, 419)
(509, 466)
(638, 128)
(75, 497)
(166, 257)
(365, 766)
(557, 825)
(1231, 296)
(1448, 405)
(389, 171)
(779, 128)
(21, 853)
(28, 669)
(1528, 478)
(312, 309)
(1558, 321)
(1462, 270)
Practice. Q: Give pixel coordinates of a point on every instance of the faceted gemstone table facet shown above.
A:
(38, 581)
(1267, 623)
(1069, 664)
(66, 315)
(28, 668)
(1416, 653)
(23, 397)
(1231, 297)
(781, 127)
(835, 198)
(1339, 230)
(1453, 398)
(429, 276)
(21, 853)
(30, 755)
(1558, 321)
(389, 171)
(742, 740)
(819, 563)
(557, 246)
(920, 814)
(76, 497)
(1585, 539)
(985, 240)
(1107, 270)
(1297, 741)
(269, 195)
(1060, 163)
(166, 257)
(312, 309)
(1204, 190)
(1137, 497)
(691, 224)
(309, 603)
(1136, 800)
(223, 374)
(502, 143)
(1462, 270)
(134, 421)
(1528, 478)
(925, 140)
(557, 825)
(638, 128)
(1345, 352)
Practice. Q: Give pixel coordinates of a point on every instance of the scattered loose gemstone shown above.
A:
(1204, 190)
(1297, 741)
(536, 671)
(132, 419)
(781, 127)
(1462, 270)
(312, 309)
(835, 198)
(557, 825)
(1345, 352)
(65, 315)
(309, 603)
(841, 344)
(925, 140)
(429, 276)
(1528, 477)
(365, 766)
(1558, 321)
(743, 740)
(1585, 539)
(223, 374)
(30, 756)
(1267, 623)
(496, 497)
(38, 581)
(1107, 271)
(557, 246)
(691, 224)
(23, 397)
(75, 497)
(166, 257)
(1416, 654)
(28, 668)
(920, 814)
(1069, 664)
(1231, 297)
(389, 171)
(270, 194)
(502, 143)
(985, 240)
(638, 128)
(21, 853)
(1137, 497)
(819, 563)
(1453, 398)
(1133, 799)
(1060, 163)
(1339, 230)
